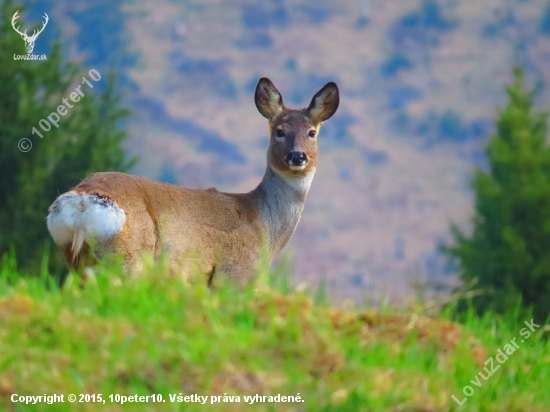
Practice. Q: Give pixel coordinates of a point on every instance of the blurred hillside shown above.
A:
(420, 81)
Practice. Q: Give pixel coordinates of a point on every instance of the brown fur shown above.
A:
(296, 124)
(207, 230)
(186, 223)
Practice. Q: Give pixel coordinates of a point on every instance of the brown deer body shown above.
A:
(200, 230)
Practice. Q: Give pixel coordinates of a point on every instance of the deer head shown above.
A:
(293, 145)
(29, 40)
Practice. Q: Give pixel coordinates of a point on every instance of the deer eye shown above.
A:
(280, 133)
(312, 133)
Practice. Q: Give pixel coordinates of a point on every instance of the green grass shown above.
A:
(157, 335)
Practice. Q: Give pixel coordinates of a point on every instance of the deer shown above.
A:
(206, 231)
(29, 40)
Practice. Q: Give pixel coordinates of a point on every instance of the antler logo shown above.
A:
(29, 40)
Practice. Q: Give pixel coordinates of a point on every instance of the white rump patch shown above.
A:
(83, 217)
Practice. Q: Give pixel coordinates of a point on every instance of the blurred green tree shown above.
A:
(88, 139)
(509, 249)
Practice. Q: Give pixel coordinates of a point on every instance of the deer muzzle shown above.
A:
(297, 160)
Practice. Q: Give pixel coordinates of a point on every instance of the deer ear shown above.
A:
(324, 103)
(268, 99)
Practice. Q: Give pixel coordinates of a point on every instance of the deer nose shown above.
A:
(296, 159)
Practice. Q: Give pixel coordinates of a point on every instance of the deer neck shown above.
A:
(280, 200)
